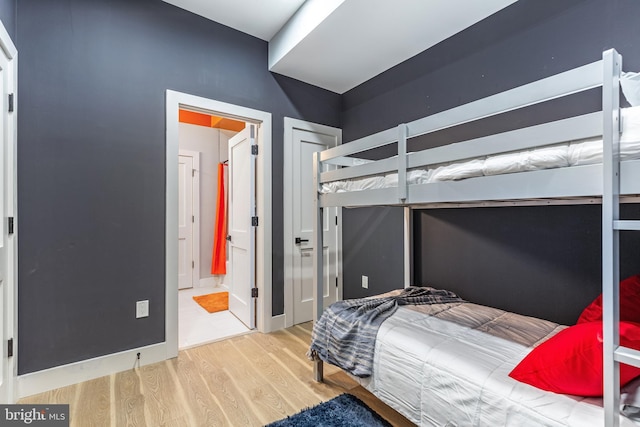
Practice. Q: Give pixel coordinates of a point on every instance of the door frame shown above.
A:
(195, 206)
(174, 101)
(11, 209)
(290, 125)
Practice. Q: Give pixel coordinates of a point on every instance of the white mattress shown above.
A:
(575, 153)
(453, 371)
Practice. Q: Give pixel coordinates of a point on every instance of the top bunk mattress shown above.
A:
(574, 153)
(448, 364)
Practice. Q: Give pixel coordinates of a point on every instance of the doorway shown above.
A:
(205, 283)
(261, 121)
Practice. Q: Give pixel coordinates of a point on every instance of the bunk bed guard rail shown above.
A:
(342, 162)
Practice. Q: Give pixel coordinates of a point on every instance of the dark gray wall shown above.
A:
(91, 161)
(8, 17)
(542, 261)
(525, 42)
(372, 254)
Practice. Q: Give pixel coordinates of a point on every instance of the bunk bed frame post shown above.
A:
(402, 162)
(403, 132)
(612, 65)
(408, 246)
(318, 262)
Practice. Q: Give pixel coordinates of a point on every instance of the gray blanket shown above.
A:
(345, 335)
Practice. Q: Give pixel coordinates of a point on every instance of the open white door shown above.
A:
(304, 144)
(242, 223)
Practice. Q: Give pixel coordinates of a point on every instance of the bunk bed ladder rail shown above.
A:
(614, 354)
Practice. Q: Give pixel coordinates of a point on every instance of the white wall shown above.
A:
(213, 147)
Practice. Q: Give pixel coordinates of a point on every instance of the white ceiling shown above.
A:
(260, 18)
(339, 44)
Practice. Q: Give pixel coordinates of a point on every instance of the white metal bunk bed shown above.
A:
(610, 179)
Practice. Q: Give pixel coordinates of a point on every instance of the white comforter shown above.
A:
(452, 370)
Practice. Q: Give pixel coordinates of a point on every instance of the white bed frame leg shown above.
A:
(318, 371)
(408, 247)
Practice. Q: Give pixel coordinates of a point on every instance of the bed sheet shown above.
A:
(574, 153)
(451, 368)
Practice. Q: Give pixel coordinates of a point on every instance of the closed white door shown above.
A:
(7, 248)
(305, 143)
(185, 222)
(242, 229)
(4, 301)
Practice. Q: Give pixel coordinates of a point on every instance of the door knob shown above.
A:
(299, 240)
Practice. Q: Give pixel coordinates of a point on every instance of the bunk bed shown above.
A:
(478, 172)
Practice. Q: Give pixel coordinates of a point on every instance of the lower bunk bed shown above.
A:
(449, 364)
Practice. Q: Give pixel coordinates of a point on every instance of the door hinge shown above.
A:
(193, 264)
(336, 219)
(254, 221)
(193, 218)
(11, 103)
(193, 172)
(10, 347)
(10, 225)
(254, 292)
(336, 281)
(254, 149)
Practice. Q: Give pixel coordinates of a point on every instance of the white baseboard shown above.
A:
(213, 281)
(73, 373)
(277, 322)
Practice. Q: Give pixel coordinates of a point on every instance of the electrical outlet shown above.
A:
(142, 308)
(365, 282)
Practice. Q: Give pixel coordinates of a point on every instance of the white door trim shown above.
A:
(174, 100)
(195, 202)
(289, 126)
(11, 162)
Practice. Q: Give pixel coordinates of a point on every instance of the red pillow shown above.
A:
(571, 361)
(629, 303)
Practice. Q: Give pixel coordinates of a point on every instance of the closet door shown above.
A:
(306, 143)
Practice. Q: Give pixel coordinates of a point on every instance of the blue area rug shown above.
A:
(342, 411)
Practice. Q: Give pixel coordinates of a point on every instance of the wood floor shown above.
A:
(250, 380)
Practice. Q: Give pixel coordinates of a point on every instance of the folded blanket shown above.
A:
(345, 335)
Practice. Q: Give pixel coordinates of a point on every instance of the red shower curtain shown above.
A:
(219, 258)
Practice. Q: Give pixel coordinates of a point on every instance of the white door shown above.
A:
(242, 232)
(185, 222)
(7, 240)
(4, 301)
(305, 143)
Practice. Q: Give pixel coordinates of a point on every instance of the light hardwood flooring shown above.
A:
(250, 380)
